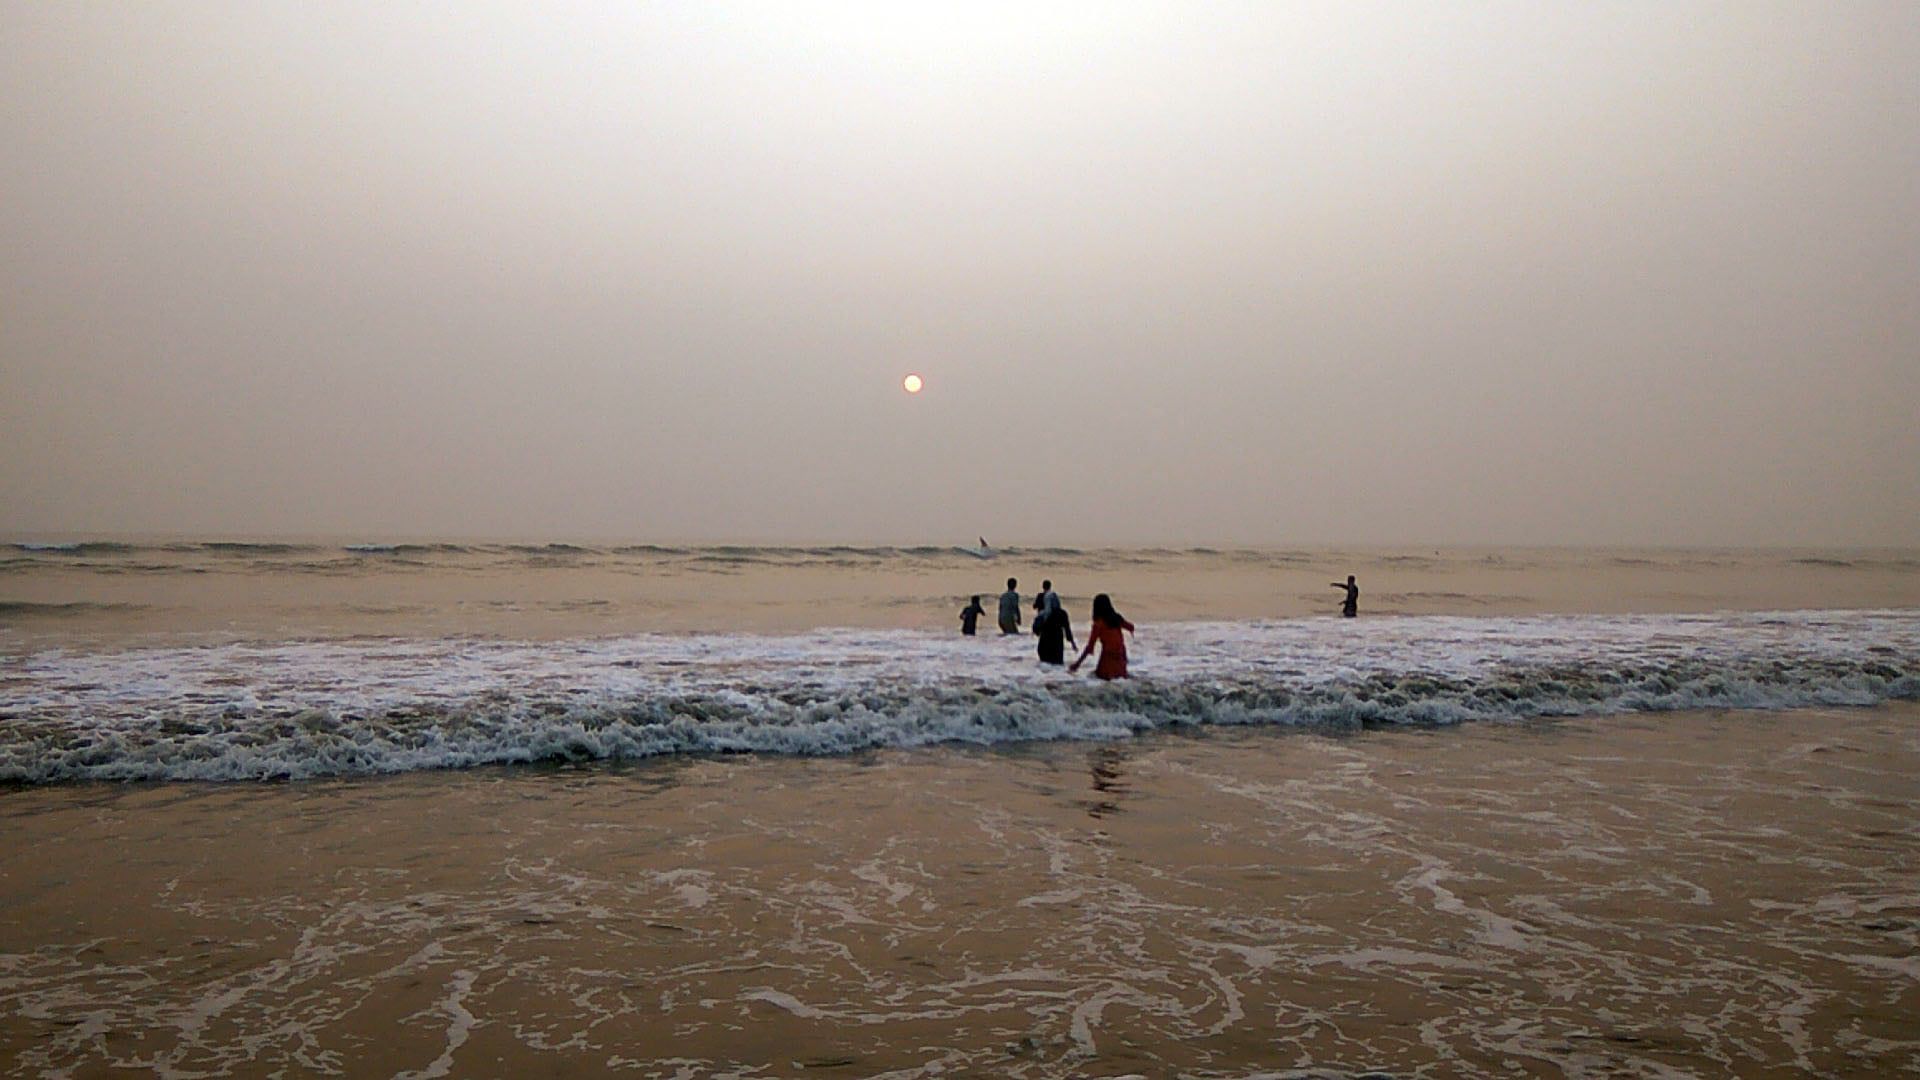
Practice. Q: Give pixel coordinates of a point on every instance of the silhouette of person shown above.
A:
(1010, 607)
(1055, 631)
(1351, 606)
(970, 616)
(1106, 633)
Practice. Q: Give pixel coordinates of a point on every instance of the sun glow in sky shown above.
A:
(911, 383)
(1497, 272)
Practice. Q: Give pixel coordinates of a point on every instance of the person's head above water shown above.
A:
(1103, 611)
(1013, 583)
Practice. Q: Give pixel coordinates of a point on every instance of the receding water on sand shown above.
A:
(1720, 893)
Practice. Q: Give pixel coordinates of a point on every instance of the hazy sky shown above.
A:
(1271, 273)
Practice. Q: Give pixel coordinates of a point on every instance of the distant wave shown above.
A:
(88, 547)
(1858, 562)
(252, 712)
(30, 609)
(1460, 599)
(1406, 560)
(247, 556)
(730, 557)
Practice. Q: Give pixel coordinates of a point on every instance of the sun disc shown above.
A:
(911, 383)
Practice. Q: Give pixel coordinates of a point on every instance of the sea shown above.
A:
(363, 807)
(224, 660)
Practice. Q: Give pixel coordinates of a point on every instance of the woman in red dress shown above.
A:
(1106, 632)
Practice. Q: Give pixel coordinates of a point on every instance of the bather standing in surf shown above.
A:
(1107, 632)
(1351, 606)
(1010, 607)
(970, 616)
(1055, 631)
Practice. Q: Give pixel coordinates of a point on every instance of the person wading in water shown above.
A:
(1010, 607)
(1351, 606)
(1055, 631)
(970, 615)
(1106, 633)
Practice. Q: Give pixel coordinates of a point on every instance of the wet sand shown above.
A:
(1677, 894)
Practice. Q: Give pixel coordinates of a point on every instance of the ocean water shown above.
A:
(749, 811)
(253, 661)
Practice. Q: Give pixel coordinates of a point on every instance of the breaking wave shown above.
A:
(301, 710)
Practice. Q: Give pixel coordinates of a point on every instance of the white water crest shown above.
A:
(368, 706)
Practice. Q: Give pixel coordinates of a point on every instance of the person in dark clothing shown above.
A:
(1055, 631)
(1351, 607)
(970, 616)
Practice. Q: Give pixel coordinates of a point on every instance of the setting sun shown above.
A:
(911, 383)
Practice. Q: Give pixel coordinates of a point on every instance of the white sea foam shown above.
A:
(295, 710)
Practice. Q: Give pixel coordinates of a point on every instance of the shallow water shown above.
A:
(78, 594)
(1726, 893)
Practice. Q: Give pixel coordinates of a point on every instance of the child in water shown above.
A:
(1106, 633)
(970, 616)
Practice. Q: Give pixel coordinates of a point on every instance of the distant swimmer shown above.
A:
(970, 616)
(1010, 608)
(1106, 633)
(1351, 606)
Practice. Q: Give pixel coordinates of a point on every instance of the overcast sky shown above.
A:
(1269, 274)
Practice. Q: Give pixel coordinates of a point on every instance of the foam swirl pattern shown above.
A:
(1675, 895)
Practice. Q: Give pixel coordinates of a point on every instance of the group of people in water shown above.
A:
(1055, 630)
(1109, 629)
